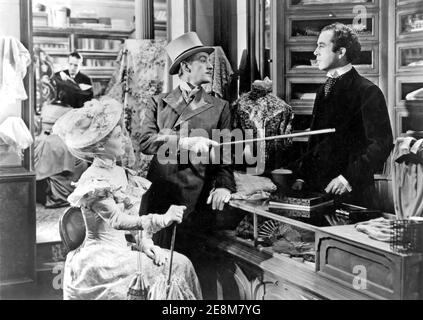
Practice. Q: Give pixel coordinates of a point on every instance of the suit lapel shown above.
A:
(201, 103)
(177, 103)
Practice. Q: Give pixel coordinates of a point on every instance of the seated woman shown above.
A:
(110, 196)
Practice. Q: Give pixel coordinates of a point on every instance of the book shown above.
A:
(297, 207)
(302, 199)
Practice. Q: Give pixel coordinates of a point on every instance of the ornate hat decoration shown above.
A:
(80, 128)
(183, 47)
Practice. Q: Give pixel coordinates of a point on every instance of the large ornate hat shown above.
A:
(80, 128)
(183, 47)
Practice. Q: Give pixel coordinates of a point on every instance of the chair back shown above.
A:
(72, 228)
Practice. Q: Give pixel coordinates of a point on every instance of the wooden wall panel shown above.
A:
(17, 230)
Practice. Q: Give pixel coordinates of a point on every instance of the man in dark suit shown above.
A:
(73, 87)
(178, 126)
(344, 163)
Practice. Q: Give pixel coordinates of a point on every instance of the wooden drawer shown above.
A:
(406, 85)
(277, 289)
(363, 265)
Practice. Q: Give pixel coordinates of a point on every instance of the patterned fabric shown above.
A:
(222, 74)
(188, 92)
(379, 229)
(407, 180)
(252, 188)
(104, 266)
(330, 83)
(139, 75)
(267, 115)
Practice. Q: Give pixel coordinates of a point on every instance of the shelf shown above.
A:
(300, 59)
(307, 27)
(407, 2)
(53, 31)
(98, 53)
(333, 4)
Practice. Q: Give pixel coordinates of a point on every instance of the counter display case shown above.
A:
(316, 255)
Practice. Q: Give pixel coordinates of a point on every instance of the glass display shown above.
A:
(414, 123)
(409, 88)
(412, 22)
(327, 2)
(307, 59)
(312, 27)
(411, 57)
(284, 226)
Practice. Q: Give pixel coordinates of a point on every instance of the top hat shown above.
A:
(183, 47)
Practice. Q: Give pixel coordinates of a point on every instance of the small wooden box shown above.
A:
(349, 257)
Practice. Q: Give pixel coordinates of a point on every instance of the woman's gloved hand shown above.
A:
(174, 214)
(197, 144)
(157, 254)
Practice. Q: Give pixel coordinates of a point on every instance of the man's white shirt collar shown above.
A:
(335, 73)
(185, 86)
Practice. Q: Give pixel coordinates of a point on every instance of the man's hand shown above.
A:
(65, 77)
(174, 214)
(218, 198)
(197, 144)
(298, 185)
(337, 187)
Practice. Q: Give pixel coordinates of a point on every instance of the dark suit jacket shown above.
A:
(356, 108)
(70, 93)
(183, 183)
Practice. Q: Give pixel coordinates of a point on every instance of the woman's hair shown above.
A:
(345, 37)
(89, 153)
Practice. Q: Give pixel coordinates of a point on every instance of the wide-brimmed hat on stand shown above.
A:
(184, 47)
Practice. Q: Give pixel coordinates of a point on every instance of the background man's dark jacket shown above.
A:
(183, 184)
(356, 108)
(70, 93)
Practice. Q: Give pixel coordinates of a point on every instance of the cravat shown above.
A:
(190, 95)
(330, 83)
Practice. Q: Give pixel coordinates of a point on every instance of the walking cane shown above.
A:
(172, 249)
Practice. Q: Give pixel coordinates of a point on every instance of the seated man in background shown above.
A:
(56, 168)
(73, 87)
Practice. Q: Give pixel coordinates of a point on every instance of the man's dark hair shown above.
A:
(76, 54)
(345, 37)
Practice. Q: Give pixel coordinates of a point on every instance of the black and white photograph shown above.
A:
(229, 151)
